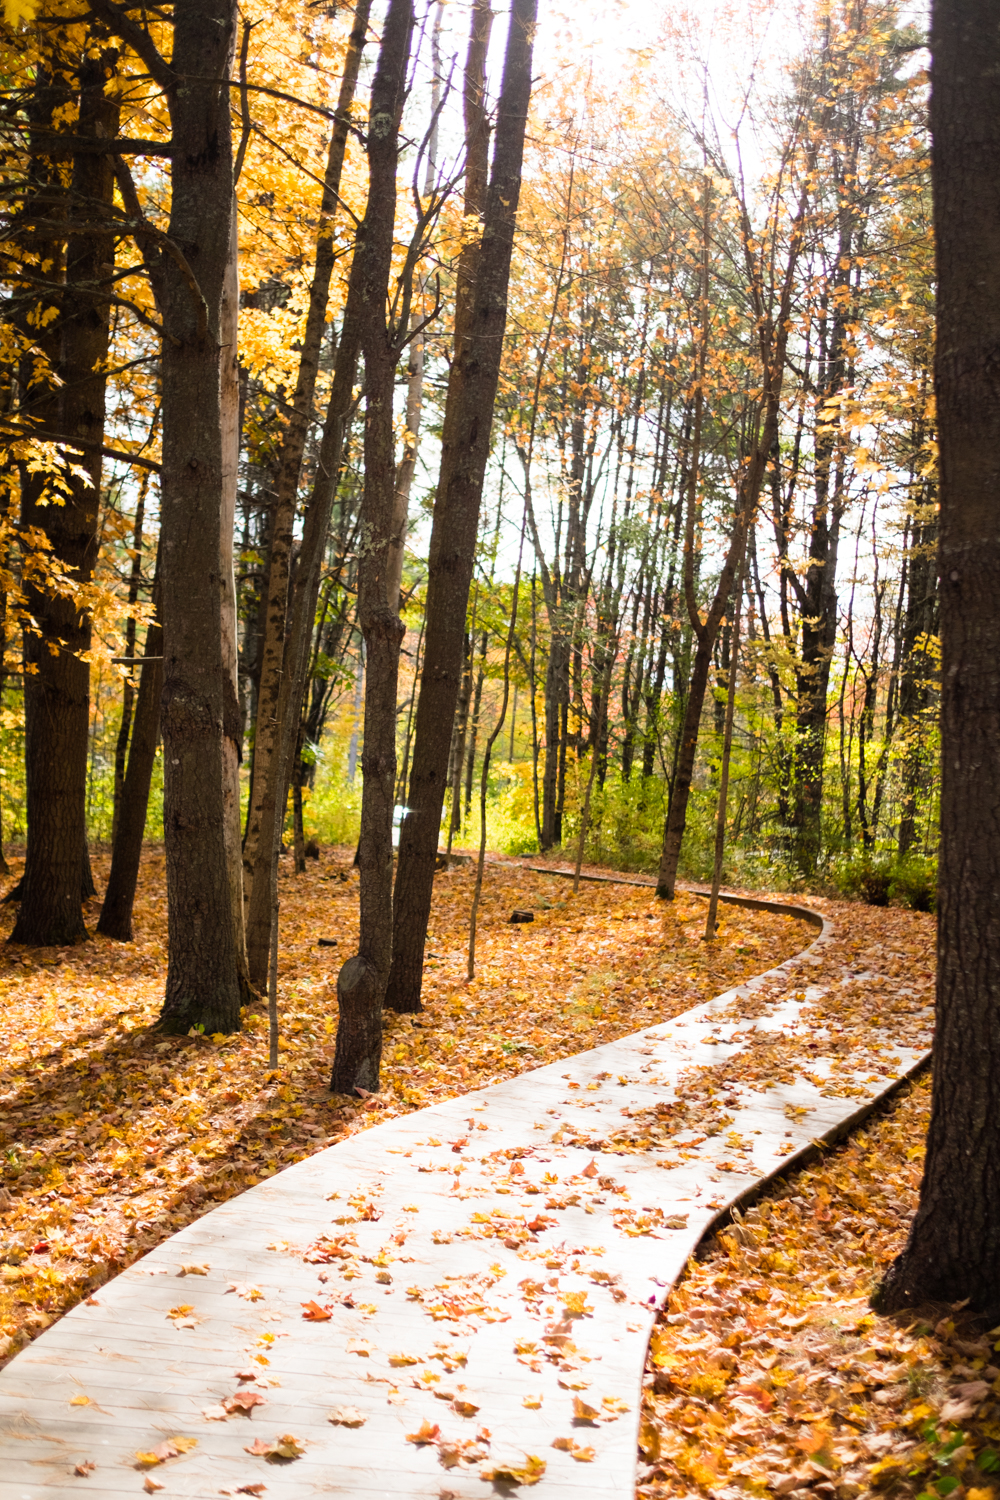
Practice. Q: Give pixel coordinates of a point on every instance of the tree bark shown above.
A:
(415, 365)
(918, 684)
(465, 451)
(128, 693)
(119, 898)
(57, 680)
(361, 982)
(268, 772)
(200, 709)
(232, 723)
(953, 1249)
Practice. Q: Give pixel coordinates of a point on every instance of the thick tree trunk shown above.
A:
(953, 1250)
(57, 681)
(200, 710)
(465, 451)
(119, 898)
(270, 767)
(361, 982)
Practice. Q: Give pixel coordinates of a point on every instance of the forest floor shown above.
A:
(768, 1374)
(113, 1138)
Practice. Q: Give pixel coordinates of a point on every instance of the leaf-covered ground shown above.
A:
(768, 1373)
(113, 1138)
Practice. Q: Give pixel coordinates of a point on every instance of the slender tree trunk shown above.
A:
(533, 690)
(405, 768)
(415, 364)
(119, 898)
(727, 746)
(232, 724)
(57, 680)
(556, 701)
(465, 451)
(458, 741)
(918, 684)
(270, 764)
(581, 842)
(200, 708)
(494, 735)
(774, 323)
(953, 1251)
(361, 982)
(477, 699)
(128, 691)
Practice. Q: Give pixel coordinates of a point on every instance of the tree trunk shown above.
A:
(556, 699)
(57, 681)
(128, 692)
(269, 773)
(119, 898)
(361, 982)
(465, 451)
(200, 709)
(415, 365)
(918, 673)
(461, 729)
(953, 1250)
(477, 700)
(232, 722)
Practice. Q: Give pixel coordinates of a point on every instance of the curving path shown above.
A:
(481, 1275)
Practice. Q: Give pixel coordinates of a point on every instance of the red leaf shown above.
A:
(314, 1313)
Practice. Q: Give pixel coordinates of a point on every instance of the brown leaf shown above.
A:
(347, 1416)
(276, 1450)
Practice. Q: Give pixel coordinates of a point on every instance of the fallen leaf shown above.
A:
(276, 1450)
(84, 1467)
(427, 1432)
(529, 1471)
(573, 1448)
(347, 1416)
(313, 1313)
(244, 1401)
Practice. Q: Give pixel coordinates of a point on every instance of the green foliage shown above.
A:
(881, 879)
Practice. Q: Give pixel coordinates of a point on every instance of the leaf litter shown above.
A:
(113, 1138)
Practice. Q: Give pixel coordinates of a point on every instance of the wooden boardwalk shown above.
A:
(455, 1303)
